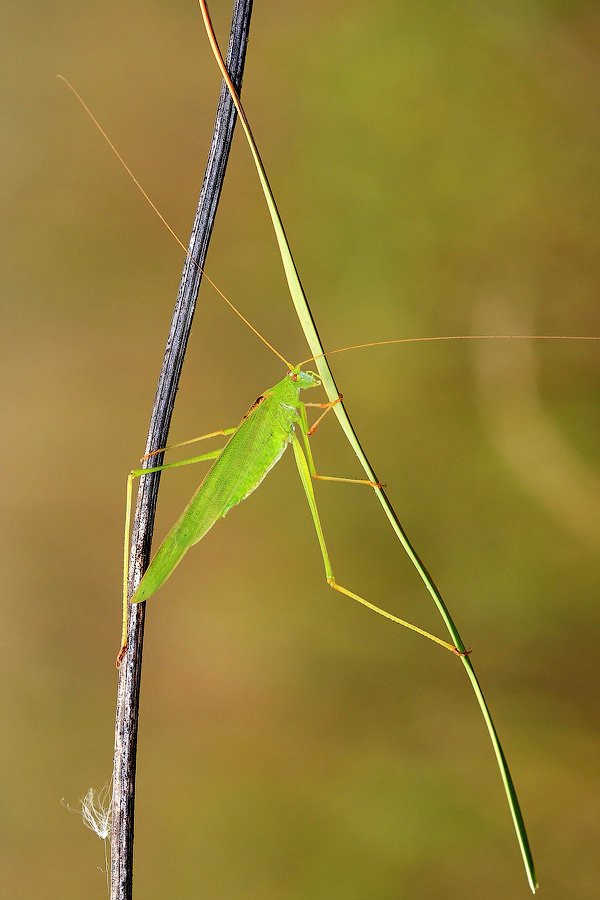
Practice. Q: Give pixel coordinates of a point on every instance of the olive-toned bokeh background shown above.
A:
(436, 165)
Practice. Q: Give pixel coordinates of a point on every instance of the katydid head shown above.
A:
(302, 379)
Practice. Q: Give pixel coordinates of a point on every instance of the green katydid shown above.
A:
(255, 447)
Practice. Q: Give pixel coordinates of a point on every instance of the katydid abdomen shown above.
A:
(252, 451)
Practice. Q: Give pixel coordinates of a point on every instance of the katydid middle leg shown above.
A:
(306, 432)
(194, 440)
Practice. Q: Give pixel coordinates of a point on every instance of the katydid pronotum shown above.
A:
(191, 530)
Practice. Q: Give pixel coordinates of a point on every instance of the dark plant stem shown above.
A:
(128, 693)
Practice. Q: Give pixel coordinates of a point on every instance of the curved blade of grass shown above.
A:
(310, 331)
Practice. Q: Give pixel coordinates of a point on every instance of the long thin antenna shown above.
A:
(456, 337)
(154, 207)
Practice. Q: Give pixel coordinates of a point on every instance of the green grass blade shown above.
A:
(511, 794)
(314, 342)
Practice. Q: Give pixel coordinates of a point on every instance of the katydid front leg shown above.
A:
(327, 407)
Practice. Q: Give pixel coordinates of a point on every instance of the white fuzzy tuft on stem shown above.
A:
(96, 811)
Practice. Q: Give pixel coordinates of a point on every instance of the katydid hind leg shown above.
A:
(305, 477)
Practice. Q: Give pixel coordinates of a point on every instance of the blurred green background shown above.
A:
(437, 168)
